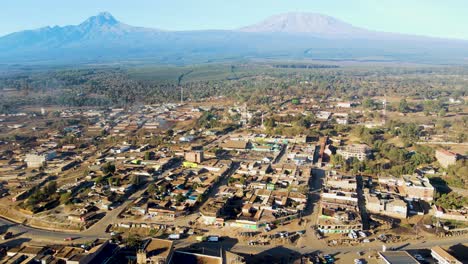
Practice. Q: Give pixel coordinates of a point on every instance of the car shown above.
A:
(318, 234)
(212, 239)
(366, 240)
(357, 261)
(419, 257)
(174, 237)
(329, 259)
(200, 238)
(68, 239)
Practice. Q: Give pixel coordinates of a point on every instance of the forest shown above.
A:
(254, 84)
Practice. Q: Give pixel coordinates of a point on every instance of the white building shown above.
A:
(359, 151)
(443, 257)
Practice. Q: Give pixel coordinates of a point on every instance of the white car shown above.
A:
(357, 261)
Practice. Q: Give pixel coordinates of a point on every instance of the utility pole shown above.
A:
(263, 126)
(385, 109)
(181, 95)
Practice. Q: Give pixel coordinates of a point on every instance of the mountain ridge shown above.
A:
(301, 22)
(288, 36)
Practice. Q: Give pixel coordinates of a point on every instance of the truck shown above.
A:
(174, 236)
(212, 239)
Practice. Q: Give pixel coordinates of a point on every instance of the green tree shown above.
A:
(65, 198)
(133, 241)
(50, 188)
(108, 168)
(403, 106)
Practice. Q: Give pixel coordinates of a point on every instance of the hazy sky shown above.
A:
(441, 18)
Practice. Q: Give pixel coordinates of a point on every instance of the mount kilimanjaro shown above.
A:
(104, 39)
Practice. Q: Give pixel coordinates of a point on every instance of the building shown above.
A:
(395, 208)
(195, 258)
(339, 181)
(236, 145)
(344, 104)
(443, 257)
(339, 212)
(419, 188)
(39, 160)
(156, 251)
(446, 158)
(194, 156)
(397, 257)
(449, 214)
(359, 151)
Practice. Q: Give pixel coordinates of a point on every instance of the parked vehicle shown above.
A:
(212, 239)
(174, 236)
(201, 238)
(329, 259)
(352, 235)
(301, 232)
(317, 233)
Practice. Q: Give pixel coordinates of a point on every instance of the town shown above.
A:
(217, 181)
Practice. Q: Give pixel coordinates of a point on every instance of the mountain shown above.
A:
(309, 23)
(104, 39)
(103, 27)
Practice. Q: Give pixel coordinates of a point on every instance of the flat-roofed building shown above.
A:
(397, 257)
(154, 250)
(359, 151)
(446, 158)
(443, 257)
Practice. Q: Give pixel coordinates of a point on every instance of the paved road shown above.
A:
(23, 231)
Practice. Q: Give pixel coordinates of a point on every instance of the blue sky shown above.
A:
(440, 18)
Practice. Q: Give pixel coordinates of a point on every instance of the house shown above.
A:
(344, 104)
(396, 208)
(74, 255)
(446, 158)
(155, 250)
(194, 156)
(236, 145)
(323, 115)
(38, 160)
(195, 258)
